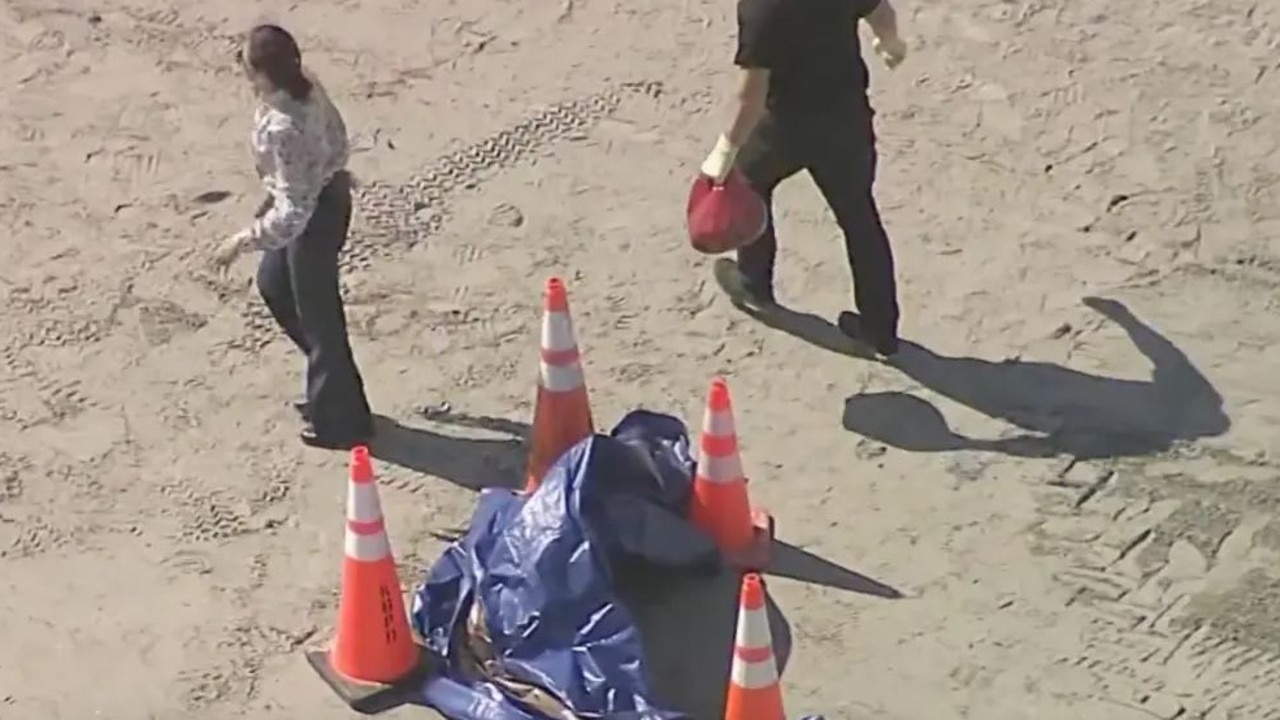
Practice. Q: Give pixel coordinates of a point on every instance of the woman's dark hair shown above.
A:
(273, 52)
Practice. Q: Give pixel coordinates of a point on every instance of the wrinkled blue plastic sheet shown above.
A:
(526, 600)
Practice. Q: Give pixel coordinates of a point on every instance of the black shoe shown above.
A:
(742, 291)
(334, 441)
(887, 347)
(851, 325)
(300, 407)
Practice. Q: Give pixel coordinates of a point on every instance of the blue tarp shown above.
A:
(522, 612)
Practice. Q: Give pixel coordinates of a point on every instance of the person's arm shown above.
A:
(760, 50)
(294, 191)
(749, 108)
(882, 19)
(753, 92)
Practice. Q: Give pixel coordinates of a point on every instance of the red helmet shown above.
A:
(724, 217)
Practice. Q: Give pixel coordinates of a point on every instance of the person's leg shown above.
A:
(844, 169)
(277, 292)
(766, 159)
(338, 410)
(276, 289)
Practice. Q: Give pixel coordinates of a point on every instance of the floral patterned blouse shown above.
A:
(298, 148)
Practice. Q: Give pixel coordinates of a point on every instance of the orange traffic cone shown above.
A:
(373, 651)
(720, 504)
(562, 415)
(754, 690)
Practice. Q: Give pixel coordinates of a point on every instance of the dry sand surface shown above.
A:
(1077, 502)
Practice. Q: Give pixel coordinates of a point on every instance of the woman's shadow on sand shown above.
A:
(1057, 410)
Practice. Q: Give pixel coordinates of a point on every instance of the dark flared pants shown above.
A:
(299, 284)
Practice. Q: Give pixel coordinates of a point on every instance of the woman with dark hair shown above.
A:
(300, 146)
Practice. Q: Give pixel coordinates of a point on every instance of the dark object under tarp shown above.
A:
(529, 612)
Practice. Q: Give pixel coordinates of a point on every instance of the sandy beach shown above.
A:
(1071, 474)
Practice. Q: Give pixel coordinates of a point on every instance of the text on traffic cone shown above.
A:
(373, 643)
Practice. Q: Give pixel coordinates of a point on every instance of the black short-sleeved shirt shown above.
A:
(811, 49)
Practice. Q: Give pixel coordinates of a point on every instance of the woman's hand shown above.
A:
(230, 249)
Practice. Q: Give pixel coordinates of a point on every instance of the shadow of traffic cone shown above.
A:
(755, 692)
(720, 503)
(373, 652)
(562, 414)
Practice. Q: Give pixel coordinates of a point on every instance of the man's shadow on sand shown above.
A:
(686, 623)
(1059, 410)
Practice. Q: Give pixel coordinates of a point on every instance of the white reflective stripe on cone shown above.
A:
(753, 629)
(720, 469)
(753, 640)
(557, 332)
(362, 502)
(718, 423)
(755, 675)
(367, 548)
(561, 378)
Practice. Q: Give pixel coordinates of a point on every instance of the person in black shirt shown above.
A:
(802, 105)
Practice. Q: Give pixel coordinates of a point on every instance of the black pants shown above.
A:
(839, 151)
(299, 284)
